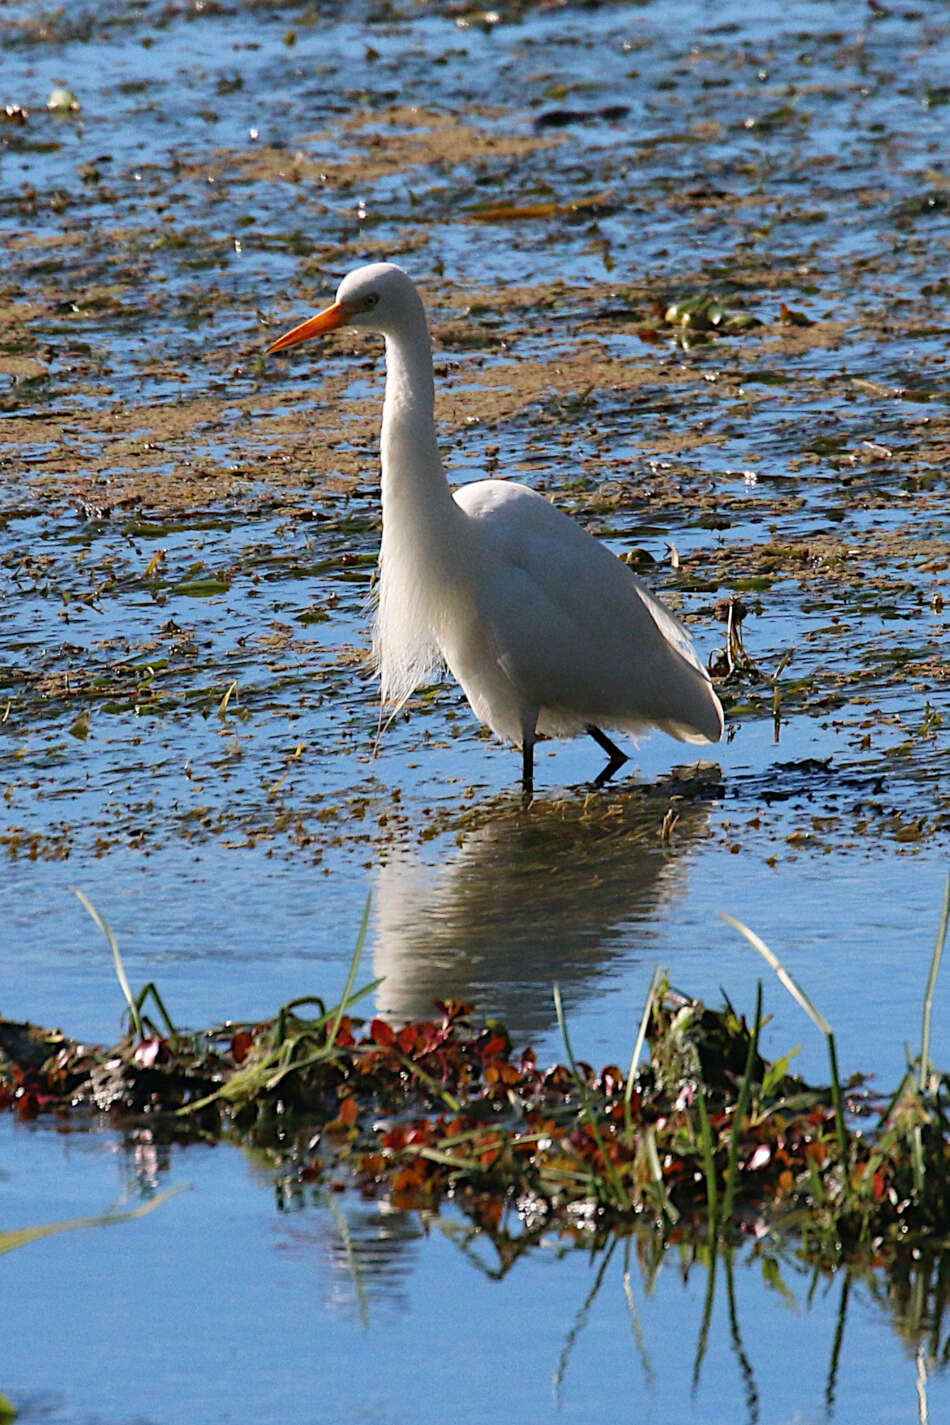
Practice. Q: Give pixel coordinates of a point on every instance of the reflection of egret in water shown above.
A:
(529, 898)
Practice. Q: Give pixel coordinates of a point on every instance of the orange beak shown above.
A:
(326, 321)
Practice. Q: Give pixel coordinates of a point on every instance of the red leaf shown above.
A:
(241, 1045)
(344, 1035)
(407, 1180)
(349, 1111)
(383, 1033)
(494, 1047)
(492, 1211)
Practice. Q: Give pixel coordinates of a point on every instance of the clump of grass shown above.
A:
(708, 1135)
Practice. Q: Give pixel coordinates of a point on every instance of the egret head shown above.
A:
(380, 298)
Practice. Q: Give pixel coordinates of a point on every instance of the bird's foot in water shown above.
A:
(616, 758)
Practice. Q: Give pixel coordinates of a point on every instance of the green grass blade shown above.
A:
(709, 1162)
(117, 959)
(656, 1172)
(351, 977)
(797, 993)
(413, 1068)
(841, 1132)
(638, 1050)
(152, 989)
(895, 1098)
(472, 1166)
(917, 1159)
(931, 986)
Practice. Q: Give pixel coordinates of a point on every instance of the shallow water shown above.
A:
(310, 1310)
(178, 519)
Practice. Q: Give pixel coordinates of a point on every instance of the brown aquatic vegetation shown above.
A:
(707, 1137)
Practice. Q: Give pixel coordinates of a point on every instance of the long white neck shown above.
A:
(423, 527)
(414, 486)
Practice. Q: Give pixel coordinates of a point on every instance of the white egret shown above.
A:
(548, 632)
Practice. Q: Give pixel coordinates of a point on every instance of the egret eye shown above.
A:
(370, 301)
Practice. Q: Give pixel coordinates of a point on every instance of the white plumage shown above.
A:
(547, 632)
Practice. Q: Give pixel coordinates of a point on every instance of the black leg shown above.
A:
(617, 758)
(529, 734)
(527, 766)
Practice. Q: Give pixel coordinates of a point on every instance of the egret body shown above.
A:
(548, 632)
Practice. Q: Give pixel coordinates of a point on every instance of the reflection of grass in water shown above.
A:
(914, 1297)
(23, 1236)
(13, 1238)
(911, 1282)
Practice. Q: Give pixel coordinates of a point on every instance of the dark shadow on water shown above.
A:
(554, 892)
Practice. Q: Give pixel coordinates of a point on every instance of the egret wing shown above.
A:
(573, 627)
